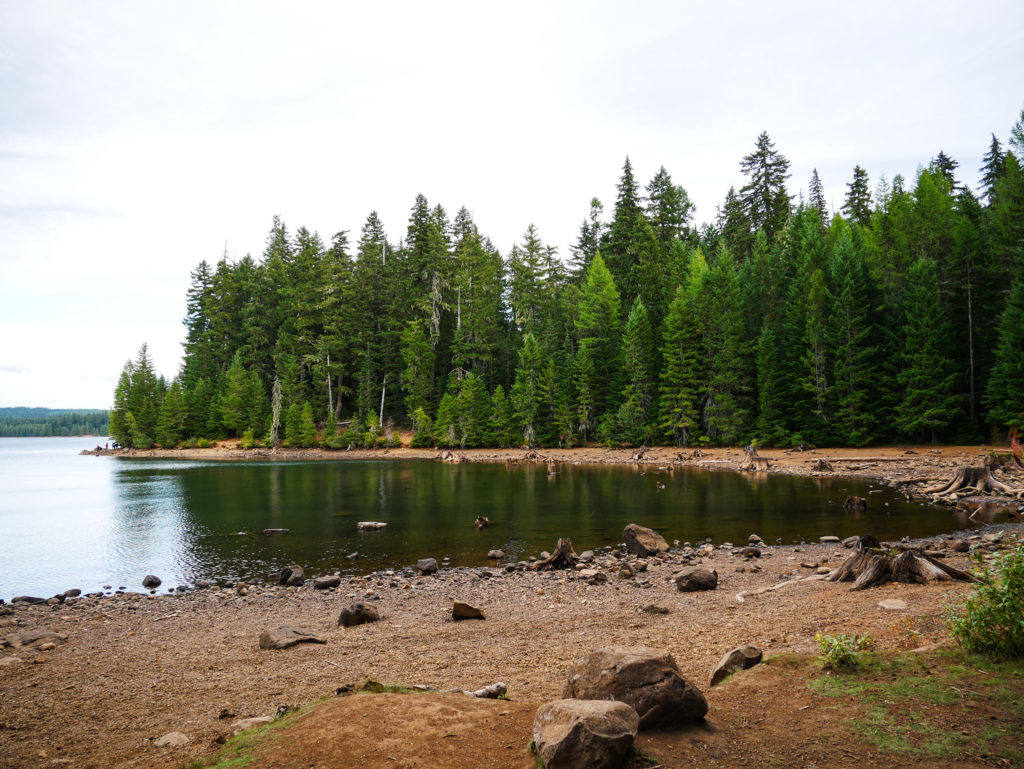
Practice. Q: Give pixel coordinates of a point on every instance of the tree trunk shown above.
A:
(564, 557)
(973, 480)
(870, 568)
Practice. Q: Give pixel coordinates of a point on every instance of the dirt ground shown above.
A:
(135, 667)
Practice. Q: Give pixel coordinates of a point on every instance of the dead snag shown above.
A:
(753, 461)
(870, 568)
(564, 557)
(821, 464)
(973, 479)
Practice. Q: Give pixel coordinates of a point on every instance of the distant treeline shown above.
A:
(23, 422)
(899, 316)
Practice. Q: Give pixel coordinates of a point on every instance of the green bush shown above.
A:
(248, 440)
(842, 652)
(991, 620)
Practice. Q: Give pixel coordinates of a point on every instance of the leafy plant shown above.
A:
(248, 440)
(991, 620)
(842, 652)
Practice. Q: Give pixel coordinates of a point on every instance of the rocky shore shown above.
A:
(107, 680)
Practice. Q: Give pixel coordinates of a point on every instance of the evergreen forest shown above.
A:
(23, 422)
(899, 317)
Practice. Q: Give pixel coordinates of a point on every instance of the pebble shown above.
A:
(893, 604)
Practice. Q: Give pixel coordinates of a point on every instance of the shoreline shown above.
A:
(908, 468)
(183, 660)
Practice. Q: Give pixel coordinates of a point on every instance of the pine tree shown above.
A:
(764, 197)
(857, 205)
(638, 358)
(418, 375)
(235, 407)
(120, 430)
(991, 169)
(816, 378)
(682, 357)
(1005, 391)
(946, 166)
(474, 408)
(446, 424)
(170, 428)
(293, 425)
(307, 427)
(816, 197)
(669, 210)
(727, 387)
(928, 375)
(588, 241)
(851, 339)
(585, 376)
(597, 326)
(770, 413)
(502, 425)
(734, 224)
(529, 394)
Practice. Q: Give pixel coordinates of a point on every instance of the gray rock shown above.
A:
(244, 724)
(285, 636)
(643, 541)
(357, 614)
(72, 593)
(150, 582)
(584, 734)
(755, 539)
(740, 658)
(33, 638)
(828, 539)
(893, 604)
(323, 583)
(960, 546)
(645, 679)
(653, 608)
(462, 611)
(697, 578)
(851, 541)
(587, 556)
(274, 532)
(495, 555)
(427, 565)
(171, 740)
(292, 575)
(4, 661)
(27, 599)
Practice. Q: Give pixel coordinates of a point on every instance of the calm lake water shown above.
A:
(84, 521)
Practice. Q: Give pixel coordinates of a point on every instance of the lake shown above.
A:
(85, 521)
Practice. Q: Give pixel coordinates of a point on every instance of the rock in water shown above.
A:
(427, 565)
(357, 614)
(697, 578)
(274, 532)
(150, 582)
(292, 575)
(645, 679)
(643, 541)
(323, 583)
(740, 658)
(462, 610)
(584, 734)
(495, 555)
(171, 740)
(286, 635)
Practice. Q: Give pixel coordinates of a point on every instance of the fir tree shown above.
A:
(446, 424)
(727, 387)
(946, 166)
(502, 424)
(816, 197)
(928, 375)
(307, 427)
(682, 358)
(1005, 391)
(991, 169)
(587, 242)
(857, 205)
(170, 428)
(764, 197)
(529, 395)
(638, 358)
(597, 326)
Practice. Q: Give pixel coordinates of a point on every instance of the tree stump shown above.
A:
(564, 557)
(821, 464)
(870, 568)
(976, 480)
(753, 461)
(639, 454)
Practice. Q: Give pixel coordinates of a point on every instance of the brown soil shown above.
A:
(911, 469)
(136, 667)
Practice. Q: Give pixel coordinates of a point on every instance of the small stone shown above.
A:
(150, 582)
(740, 658)
(461, 611)
(47, 647)
(823, 570)
(286, 636)
(495, 555)
(171, 740)
(750, 552)
(9, 661)
(357, 614)
(696, 579)
(292, 576)
(893, 604)
(325, 583)
(653, 608)
(829, 539)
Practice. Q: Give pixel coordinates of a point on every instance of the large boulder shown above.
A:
(284, 636)
(645, 679)
(150, 582)
(740, 658)
(584, 734)
(696, 578)
(643, 541)
(427, 565)
(357, 614)
(292, 575)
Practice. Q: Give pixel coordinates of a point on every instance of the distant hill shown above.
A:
(24, 422)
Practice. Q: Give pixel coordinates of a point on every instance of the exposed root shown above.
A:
(977, 480)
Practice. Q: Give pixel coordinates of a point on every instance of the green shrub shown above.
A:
(991, 620)
(248, 440)
(842, 652)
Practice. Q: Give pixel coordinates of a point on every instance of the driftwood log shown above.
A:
(870, 568)
(564, 557)
(753, 461)
(973, 480)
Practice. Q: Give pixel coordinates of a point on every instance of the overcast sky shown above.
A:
(137, 138)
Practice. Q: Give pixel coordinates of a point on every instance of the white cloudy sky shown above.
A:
(137, 138)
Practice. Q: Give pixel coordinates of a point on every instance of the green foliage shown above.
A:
(1005, 394)
(170, 428)
(842, 652)
(248, 440)
(22, 422)
(423, 430)
(991, 620)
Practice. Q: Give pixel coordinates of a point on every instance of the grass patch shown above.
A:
(941, 704)
(238, 750)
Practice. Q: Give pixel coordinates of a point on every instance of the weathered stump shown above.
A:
(753, 461)
(977, 480)
(564, 557)
(870, 568)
